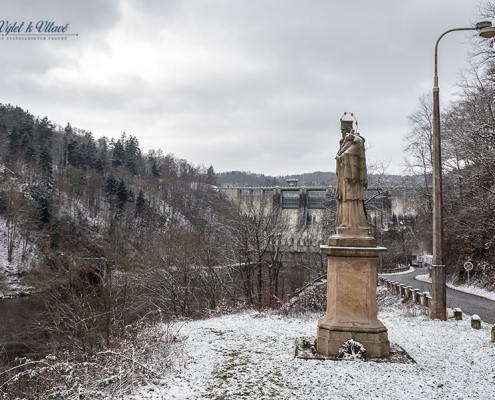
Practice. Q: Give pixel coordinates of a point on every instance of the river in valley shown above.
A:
(20, 330)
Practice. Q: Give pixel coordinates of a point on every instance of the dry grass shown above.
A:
(145, 356)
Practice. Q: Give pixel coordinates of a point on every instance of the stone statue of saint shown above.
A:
(351, 181)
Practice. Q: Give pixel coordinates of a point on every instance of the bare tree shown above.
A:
(418, 141)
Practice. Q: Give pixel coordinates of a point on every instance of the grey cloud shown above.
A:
(310, 62)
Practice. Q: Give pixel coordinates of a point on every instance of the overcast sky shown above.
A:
(251, 85)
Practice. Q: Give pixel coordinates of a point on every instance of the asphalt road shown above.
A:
(468, 303)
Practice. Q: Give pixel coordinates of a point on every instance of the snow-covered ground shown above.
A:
(252, 356)
(462, 288)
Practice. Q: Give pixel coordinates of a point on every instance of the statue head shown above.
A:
(345, 126)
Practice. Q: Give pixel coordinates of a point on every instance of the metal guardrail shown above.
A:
(394, 270)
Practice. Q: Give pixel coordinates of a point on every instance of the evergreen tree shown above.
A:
(27, 141)
(44, 129)
(140, 204)
(73, 156)
(30, 154)
(99, 165)
(122, 193)
(44, 204)
(14, 140)
(118, 157)
(211, 176)
(111, 185)
(132, 154)
(140, 201)
(63, 162)
(42, 194)
(101, 160)
(46, 161)
(90, 152)
(155, 170)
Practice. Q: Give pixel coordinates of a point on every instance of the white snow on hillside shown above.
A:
(251, 356)
(24, 250)
(24, 257)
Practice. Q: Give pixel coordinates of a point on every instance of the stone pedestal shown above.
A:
(351, 291)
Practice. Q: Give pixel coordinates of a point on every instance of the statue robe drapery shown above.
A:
(351, 181)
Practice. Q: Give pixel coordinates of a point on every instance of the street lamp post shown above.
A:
(439, 306)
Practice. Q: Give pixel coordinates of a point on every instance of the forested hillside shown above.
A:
(74, 186)
(108, 234)
(90, 222)
(249, 179)
(309, 179)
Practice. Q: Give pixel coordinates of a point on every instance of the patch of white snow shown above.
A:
(238, 356)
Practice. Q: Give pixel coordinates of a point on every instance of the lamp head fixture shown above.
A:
(485, 29)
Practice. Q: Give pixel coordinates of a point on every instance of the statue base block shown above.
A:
(357, 237)
(351, 299)
(330, 339)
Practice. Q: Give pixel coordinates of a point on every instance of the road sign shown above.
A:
(468, 266)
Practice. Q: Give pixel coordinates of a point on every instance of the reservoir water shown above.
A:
(20, 330)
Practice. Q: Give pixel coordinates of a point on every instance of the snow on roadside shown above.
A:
(461, 288)
(251, 356)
